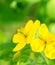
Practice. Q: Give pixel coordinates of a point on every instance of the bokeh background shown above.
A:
(13, 15)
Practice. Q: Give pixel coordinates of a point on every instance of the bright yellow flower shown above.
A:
(25, 35)
(49, 39)
(44, 40)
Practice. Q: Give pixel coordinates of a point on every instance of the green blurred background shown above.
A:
(13, 15)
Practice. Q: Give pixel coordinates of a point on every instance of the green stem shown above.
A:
(46, 60)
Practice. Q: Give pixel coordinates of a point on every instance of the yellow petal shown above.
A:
(19, 46)
(35, 27)
(43, 32)
(50, 50)
(51, 37)
(27, 27)
(33, 30)
(37, 45)
(18, 38)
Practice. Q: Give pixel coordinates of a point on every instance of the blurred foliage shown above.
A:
(13, 15)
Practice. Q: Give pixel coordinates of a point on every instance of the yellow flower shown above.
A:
(25, 35)
(49, 39)
(44, 40)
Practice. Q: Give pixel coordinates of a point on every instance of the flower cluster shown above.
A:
(38, 36)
